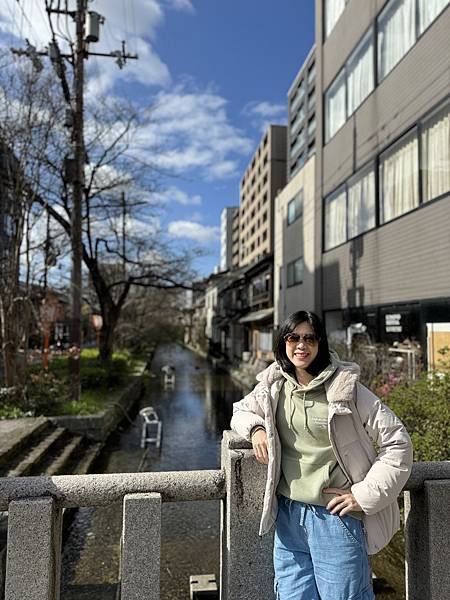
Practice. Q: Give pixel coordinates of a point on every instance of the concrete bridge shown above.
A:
(36, 504)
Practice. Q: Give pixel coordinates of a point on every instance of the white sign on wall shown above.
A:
(392, 323)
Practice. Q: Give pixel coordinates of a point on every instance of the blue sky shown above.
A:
(217, 71)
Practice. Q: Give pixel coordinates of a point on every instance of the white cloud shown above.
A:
(203, 234)
(263, 113)
(191, 130)
(174, 194)
(265, 109)
(182, 5)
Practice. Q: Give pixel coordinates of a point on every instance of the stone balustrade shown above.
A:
(35, 506)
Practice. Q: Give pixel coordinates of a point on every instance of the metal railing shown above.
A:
(35, 506)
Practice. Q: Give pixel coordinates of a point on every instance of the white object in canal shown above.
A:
(151, 427)
(169, 376)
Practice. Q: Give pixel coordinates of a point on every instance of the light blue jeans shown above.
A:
(319, 556)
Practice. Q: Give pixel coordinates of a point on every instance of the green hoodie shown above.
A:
(308, 463)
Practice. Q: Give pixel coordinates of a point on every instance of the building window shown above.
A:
(335, 106)
(436, 155)
(399, 178)
(265, 341)
(298, 97)
(335, 218)
(428, 11)
(361, 202)
(333, 10)
(312, 126)
(297, 121)
(298, 143)
(396, 34)
(295, 272)
(360, 79)
(295, 208)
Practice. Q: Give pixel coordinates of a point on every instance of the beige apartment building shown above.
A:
(294, 252)
(263, 178)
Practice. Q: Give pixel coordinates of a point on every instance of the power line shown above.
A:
(30, 24)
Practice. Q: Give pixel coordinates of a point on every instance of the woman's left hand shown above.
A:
(343, 503)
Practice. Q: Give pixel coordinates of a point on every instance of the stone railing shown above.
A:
(35, 506)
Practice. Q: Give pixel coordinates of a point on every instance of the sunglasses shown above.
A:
(294, 338)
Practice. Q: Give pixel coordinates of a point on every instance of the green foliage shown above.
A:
(424, 408)
(48, 393)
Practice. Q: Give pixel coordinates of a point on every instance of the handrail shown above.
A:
(71, 491)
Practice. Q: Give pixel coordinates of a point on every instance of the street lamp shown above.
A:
(97, 324)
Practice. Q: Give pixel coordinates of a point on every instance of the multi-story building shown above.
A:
(294, 252)
(383, 166)
(301, 132)
(263, 178)
(235, 240)
(226, 237)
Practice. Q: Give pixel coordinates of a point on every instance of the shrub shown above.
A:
(424, 408)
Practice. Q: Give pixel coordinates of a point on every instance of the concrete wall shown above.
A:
(405, 260)
(98, 427)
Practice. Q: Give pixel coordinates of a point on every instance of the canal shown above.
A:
(194, 414)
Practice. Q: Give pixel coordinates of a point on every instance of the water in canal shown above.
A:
(194, 415)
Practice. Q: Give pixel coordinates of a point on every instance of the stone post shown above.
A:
(427, 552)
(246, 559)
(34, 550)
(141, 552)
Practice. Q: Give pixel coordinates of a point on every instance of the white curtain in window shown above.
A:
(399, 180)
(298, 270)
(428, 11)
(436, 156)
(335, 106)
(396, 34)
(360, 79)
(333, 10)
(335, 220)
(361, 204)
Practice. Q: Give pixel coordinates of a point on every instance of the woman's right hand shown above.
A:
(260, 447)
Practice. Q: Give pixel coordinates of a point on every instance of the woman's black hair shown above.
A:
(322, 359)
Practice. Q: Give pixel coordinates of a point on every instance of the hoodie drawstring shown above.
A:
(305, 413)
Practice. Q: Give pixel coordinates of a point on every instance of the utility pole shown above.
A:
(78, 186)
(87, 26)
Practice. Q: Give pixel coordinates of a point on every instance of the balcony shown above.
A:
(35, 506)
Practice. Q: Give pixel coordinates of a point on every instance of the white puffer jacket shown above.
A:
(357, 420)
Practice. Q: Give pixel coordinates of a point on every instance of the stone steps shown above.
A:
(88, 459)
(17, 435)
(35, 457)
(40, 448)
(58, 466)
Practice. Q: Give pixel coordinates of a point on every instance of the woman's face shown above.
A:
(301, 352)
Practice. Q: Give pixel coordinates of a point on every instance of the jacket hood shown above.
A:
(339, 378)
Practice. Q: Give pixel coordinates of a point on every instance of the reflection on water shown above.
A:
(194, 415)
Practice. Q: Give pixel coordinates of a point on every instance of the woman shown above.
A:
(331, 496)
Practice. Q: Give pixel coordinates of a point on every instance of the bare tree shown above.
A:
(25, 123)
(123, 245)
